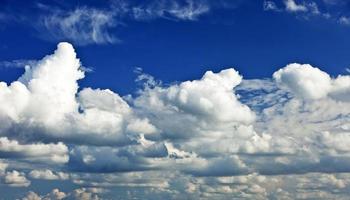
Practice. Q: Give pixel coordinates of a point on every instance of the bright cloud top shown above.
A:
(205, 130)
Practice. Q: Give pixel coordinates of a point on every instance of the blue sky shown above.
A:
(238, 34)
(182, 99)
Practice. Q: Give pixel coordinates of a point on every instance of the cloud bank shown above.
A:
(217, 136)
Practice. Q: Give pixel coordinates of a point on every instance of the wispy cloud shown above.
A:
(190, 10)
(88, 25)
(344, 20)
(21, 63)
(305, 10)
(270, 5)
(82, 25)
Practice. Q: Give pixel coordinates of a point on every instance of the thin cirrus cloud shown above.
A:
(327, 10)
(201, 137)
(84, 25)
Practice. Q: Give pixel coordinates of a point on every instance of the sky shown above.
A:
(182, 99)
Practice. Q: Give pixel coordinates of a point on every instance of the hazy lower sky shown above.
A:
(182, 99)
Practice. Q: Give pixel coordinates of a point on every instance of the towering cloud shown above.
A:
(45, 102)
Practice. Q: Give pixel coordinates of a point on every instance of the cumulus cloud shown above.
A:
(47, 153)
(192, 132)
(311, 83)
(45, 102)
(31, 196)
(55, 194)
(304, 80)
(16, 179)
(292, 6)
(48, 175)
(204, 102)
(82, 194)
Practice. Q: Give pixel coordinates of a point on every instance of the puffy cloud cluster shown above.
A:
(16, 179)
(56, 194)
(309, 82)
(45, 102)
(181, 137)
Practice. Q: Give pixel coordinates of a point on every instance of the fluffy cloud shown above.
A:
(82, 194)
(16, 179)
(304, 80)
(48, 175)
(311, 83)
(55, 194)
(292, 6)
(48, 153)
(31, 196)
(202, 106)
(44, 102)
(192, 132)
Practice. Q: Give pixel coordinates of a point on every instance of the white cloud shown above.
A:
(309, 82)
(82, 25)
(304, 80)
(92, 25)
(32, 196)
(308, 10)
(270, 5)
(292, 6)
(3, 167)
(48, 153)
(48, 175)
(190, 10)
(226, 166)
(44, 102)
(193, 131)
(17, 63)
(82, 194)
(16, 179)
(344, 20)
(197, 104)
(55, 194)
